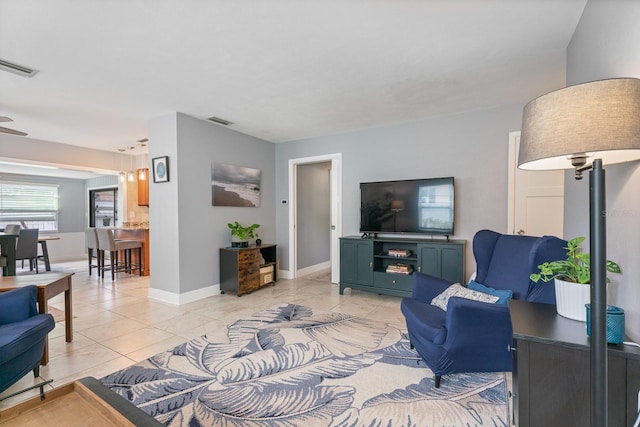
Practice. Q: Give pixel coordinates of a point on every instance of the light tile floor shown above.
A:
(115, 324)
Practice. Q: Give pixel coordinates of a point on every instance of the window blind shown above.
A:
(35, 204)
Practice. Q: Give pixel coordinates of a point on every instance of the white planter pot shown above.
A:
(571, 298)
(237, 243)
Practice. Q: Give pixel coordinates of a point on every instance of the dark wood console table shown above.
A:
(552, 375)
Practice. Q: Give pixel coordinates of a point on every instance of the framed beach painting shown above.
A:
(235, 185)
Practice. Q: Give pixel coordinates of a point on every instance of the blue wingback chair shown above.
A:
(473, 336)
(22, 335)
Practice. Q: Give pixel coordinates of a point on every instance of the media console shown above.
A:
(385, 265)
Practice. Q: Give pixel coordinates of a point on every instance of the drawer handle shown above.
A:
(393, 281)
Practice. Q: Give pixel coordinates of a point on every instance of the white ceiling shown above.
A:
(280, 70)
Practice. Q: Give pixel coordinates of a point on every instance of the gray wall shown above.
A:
(186, 230)
(71, 199)
(606, 44)
(470, 146)
(314, 213)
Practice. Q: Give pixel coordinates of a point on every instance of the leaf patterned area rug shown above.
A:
(291, 365)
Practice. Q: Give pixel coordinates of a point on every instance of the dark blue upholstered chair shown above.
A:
(473, 336)
(22, 335)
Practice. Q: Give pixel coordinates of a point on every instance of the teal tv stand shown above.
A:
(385, 265)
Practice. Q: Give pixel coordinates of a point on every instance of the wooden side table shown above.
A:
(240, 268)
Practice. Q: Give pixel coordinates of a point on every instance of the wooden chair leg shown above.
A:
(90, 255)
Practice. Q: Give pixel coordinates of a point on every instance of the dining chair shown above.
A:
(91, 240)
(3, 264)
(27, 247)
(11, 229)
(8, 229)
(108, 243)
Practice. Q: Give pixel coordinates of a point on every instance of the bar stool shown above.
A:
(91, 239)
(108, 243)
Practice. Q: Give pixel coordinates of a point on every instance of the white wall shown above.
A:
(606, 44)
(73, 156)
(164, 248)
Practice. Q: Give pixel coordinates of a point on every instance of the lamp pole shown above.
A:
(598, 270)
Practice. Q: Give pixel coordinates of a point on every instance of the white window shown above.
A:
(32, 205)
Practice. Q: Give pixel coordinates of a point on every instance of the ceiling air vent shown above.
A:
(220, 121)
(17, 69)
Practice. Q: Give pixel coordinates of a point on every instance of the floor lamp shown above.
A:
(585, 127)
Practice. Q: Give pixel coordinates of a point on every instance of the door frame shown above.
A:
(336, 211)
(514, 141)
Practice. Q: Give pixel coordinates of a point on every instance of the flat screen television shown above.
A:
(421, 206)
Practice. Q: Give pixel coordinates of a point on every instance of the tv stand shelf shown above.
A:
(364, 262)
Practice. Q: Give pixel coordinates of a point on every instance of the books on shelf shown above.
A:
(399, 268)
(399, 252)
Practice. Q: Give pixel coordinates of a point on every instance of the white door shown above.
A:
(536, 198)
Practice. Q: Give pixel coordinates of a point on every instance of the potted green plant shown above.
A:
(240, 235)
(572, 277)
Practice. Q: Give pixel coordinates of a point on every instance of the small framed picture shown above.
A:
(160, 169)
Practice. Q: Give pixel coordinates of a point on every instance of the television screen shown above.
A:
(410, 206)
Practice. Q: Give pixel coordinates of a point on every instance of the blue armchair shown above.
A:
(473, 336)
(22, 335)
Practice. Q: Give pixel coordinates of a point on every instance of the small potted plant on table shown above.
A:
(572, 278)
(240, 235)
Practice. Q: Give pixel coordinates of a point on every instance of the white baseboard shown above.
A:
(185, 298)
(285, 274)
(313, 269)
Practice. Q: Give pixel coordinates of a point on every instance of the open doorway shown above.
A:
(308, 209)
(313, 219)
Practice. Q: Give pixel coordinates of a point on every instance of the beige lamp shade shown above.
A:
(397, 205)
(599, 119)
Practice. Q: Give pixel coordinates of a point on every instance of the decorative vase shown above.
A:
(258, 242)
(615, 324)
(571, 299)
